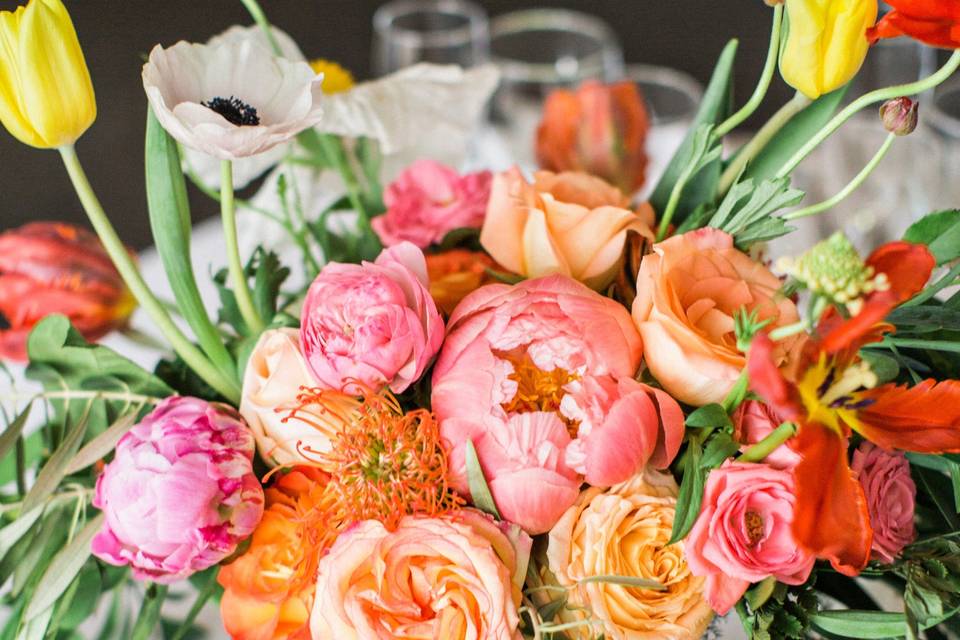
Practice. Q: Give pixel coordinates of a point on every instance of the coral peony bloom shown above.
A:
(428, 200)
(231, 98)
(268, 590)
(180, 493)
(46, 96)
(373, 323)
(449, 578)
(539, 376)
(934, 22)
(688, 292)
(753, 421)
(569, 223)
(743, 535)
(624, 531)
(286, 431)
(600, 129)
(455, 274)
(891, 497)
(51, 267)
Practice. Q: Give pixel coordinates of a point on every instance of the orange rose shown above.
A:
(269, 590)
(568, 223)
(688, 292)
(456, 273)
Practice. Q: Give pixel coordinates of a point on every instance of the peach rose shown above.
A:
(275, 373)
(452, 578)
(569, 223)
(688, 292)
(623, 531)
(455, 274)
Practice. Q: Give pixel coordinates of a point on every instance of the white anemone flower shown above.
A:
(206, 169)
(233, 98)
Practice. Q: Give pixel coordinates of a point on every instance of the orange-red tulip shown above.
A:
(934, 22)
(599, 129)
(50, 267)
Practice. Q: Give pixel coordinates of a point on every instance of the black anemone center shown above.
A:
(234, 110)
(4, 322)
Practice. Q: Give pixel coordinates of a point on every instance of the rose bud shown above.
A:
(900, 115)
(51, 267)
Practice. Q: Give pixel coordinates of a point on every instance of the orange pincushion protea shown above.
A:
(269, 590)
(384, 463)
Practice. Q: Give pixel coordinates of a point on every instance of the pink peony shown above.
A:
(539, 376)
(891, 496)
(180, 493)
(372, 323)
(754, 421)
(428, 200)
(743, 532)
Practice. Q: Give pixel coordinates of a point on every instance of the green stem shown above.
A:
(798, 103)
(880, 95)
(737, 393)
(766, 77)
(192, 356)
(237, 273)
(936, 288)
(674, 201)
(908, 343)
(256, 12)
(829, 203)
(768, 445)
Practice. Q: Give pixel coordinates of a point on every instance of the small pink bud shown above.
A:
(900, 116)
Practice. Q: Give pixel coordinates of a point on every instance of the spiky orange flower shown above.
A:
(384, 463)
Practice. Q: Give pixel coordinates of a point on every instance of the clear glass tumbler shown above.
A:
(406, 32)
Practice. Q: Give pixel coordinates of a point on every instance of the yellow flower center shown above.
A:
(537, 390)
(831, 395)
(753, 522)
(336, 79)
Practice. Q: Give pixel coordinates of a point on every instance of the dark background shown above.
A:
(117, 34)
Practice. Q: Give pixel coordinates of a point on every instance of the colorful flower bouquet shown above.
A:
(500, 406)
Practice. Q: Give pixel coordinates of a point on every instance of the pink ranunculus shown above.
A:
(372, 323)
(539, 376)
(891, 498)
(428, 200)
(743, 532)
(754, 421)
(180, 493)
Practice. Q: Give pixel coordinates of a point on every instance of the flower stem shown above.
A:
(191, 354)
(237, 273)
(874, 97)
(829, 203)
(674, 201)
(766, 77)
(256, 12)
(768, 445)
(798, 103)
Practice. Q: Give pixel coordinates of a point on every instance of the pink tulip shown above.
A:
(428, 200)
(539, 376)
(372, 323)
(743, 532)
(180, 493)
(891, 498)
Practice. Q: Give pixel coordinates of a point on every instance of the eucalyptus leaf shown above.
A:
(56, 467)
(10, 435)
(479, 490)
(14, 531)
(102, 445)
(36, 629)
(89, 589)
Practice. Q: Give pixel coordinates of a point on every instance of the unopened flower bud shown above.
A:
(900, 116)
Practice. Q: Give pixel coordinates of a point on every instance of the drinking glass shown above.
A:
(440, 31)
(537, 51)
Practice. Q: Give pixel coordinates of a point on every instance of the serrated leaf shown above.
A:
(479, 489)
(102, 445)
(940, 231)
(63, 569)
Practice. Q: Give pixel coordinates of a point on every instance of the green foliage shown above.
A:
(940, 231)
(706, 450)
(783, 612)
(932, 573)
(479, 489)
(747, 211)
(268, 276)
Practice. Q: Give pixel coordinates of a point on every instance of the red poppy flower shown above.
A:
(600, 129)
(834, 395)
(934, 22)
(49, 267)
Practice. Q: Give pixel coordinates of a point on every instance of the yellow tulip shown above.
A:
(827, 43)
(46, 97)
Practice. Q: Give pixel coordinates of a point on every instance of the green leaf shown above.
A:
(149, 612)
(36, 629)
(715, 107)
(56, 467)
(13, 431)
(626, 581)
(268, 276)
(479, 490)
(720, 447)
(883, 366)
(63, 569)
(940, 231)
(758, 595)
(62, 360)
(207, 591)
(40, 550)
(89, 586)
(710, 415)
(928, 318)
(851, 623)
(170, 224)
(792, 136)
(748, 210)
(13, 532)
(102, 445)
(691, 494)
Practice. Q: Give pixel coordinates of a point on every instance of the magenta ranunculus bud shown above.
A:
(891, 498)
(180, 493)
